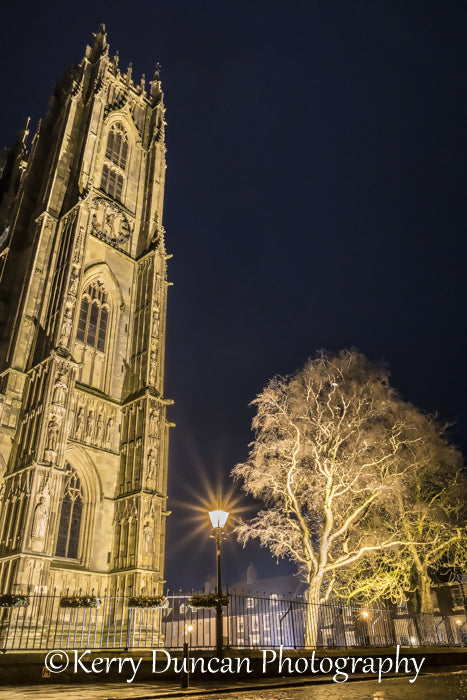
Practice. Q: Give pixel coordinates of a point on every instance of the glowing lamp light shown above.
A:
(218, 518)
(365, 614)
(458, 622)
(189, 628)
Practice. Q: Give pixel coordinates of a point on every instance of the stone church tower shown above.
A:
(83, 289)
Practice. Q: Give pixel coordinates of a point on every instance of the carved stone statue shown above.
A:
(99, 428)
(35, 571)
(152, 463)
(66, 328)
(148, 543)
(41, 516)
(79, 423)
(90, 425)
(153, 364)
(155, 321)
(109, 430)
(52, 434)
(73, 283)
(153, 422)
(60, 389)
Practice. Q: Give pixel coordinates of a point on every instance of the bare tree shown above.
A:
(334, 449)
(429, 511)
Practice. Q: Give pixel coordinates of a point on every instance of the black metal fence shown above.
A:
(248, 622)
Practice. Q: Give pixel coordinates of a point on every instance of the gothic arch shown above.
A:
(100, 377)
(123, 118)
(80, 461)
(116, 188)
(82, 478)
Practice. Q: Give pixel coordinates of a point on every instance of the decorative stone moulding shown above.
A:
(145, 601)
(207, 600)
(80, 602)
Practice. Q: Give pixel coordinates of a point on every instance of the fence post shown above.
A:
(185, 675)
(128, 629)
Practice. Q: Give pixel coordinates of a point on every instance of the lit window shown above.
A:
(274, 598)
(250, 602)
(70, 516)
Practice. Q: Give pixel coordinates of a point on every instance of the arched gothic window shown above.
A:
(112, 182)
(70, 516)
(116, 154)
(93, 317)
(117, 146)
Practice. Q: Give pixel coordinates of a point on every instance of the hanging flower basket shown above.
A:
(146, 601)
(207, 600)
(14, 601)
(83, 601)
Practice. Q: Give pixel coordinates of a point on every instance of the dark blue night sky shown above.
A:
(315, 198)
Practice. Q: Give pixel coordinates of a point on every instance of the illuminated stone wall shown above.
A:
(83, 292)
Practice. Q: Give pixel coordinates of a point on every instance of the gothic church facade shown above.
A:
(83, 291)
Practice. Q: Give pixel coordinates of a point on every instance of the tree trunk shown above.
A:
(312, 612)
(425, 611)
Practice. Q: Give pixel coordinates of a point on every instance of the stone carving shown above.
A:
(90, 426)
(99, 428)
(152, 464)
(109, 222)
(109, 429)
(78, 252)
(153, 422)
(148, 539)
(52, 434)
(79, 423)
(155, 321)
(40, 520)
(60, 390)
(152, 365)
(73, 290)
(66, 328)
(35, 571)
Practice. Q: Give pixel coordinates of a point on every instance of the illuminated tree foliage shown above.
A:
(429, 512)
(337, 457)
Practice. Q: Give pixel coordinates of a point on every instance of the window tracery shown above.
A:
(116, 155)
(70, 516)
(93, 317)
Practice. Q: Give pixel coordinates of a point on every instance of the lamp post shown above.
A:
(218, 520)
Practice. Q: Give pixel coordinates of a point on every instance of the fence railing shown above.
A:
(248, 622)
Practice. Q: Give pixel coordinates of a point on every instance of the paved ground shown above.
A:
(444, 685)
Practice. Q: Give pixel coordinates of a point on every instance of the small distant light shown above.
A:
(189, 628)
(218, 518)
(458, 622)
(413, 640)
(365, 614)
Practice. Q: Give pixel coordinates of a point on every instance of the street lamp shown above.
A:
(218, 520)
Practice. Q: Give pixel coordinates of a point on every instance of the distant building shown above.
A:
(83, 290)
